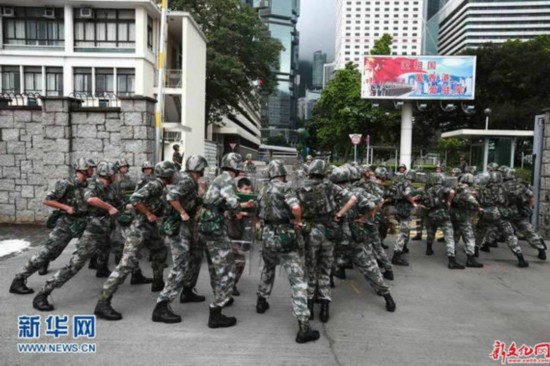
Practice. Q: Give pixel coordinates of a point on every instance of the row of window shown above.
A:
(385, 9)
(32, 77)
(357, 59)
(385, 2)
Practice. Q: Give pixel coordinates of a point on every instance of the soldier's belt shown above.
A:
(276, 222)
(321, 219)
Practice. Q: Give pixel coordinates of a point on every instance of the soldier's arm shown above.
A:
(292, 201)
(340, 192)
(97, 202)
(452, 194)
(52, 199)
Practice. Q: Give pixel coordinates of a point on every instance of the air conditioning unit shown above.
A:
(8, 12)
(86, 13)
(49, 13)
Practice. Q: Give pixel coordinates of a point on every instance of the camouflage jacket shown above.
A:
(105, 193)
(152, 195)
(318, 198)
(222, 195)
(70, 192)
(125, 186)
(275, 201)
(144, 180)
(373, 188)
(365, 202)
(186, 191)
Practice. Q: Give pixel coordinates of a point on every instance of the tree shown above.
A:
(382, 46)
(240, 53)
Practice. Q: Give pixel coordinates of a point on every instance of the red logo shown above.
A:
(538, 354)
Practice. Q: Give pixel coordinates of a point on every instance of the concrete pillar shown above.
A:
(406, 135)
(485, 153)
(69, 29)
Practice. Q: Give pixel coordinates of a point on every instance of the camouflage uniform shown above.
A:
(403, 210)
(221, 196)
(69, 192)
(463, 211)
(142, 233)
(249, 167)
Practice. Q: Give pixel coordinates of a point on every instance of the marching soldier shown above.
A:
(249, 166)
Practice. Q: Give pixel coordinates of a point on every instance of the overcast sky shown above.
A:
(317, 24)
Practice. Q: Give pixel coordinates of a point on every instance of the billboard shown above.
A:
(419, 77)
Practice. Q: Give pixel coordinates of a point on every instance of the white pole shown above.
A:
(406, 134)
(487, 122)
(160, 80)
(486, 154)
(512, 152)
(355, 153)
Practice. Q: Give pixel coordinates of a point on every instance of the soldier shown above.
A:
(317, 197)
(522, 201)
(177, 157)
(103, 202)
(401, 169)
(147, 169)
(221, 196)
(306, 165)
(249, 166)
(68, 199)
(277, 206)
(183, 197)
(149, 203)
(383, 218)
(342, 253)
(492, 235)
(464, 207)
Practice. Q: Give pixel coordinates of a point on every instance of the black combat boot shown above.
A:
(306, 334)
(93, 262)
(397, 260)
(384, 245)
(429, 249)
(388, 274)
(218, 320)
(453, 263)
(348, 265)
(157, 284)
(331, 280)
(522, 263)
(417, 237)
(262, 305)
(324, 314)
(40, 302)
(102, 271)
(441, 240)
(485, 248)
(139, 279)
(476, 252)
(390, 304)
(310, 306)
(542, 254)
(493, 244)
(472, 263)
(405, 248)
(188, 295)
(164, 314)
(44, 269)
(235, 291)
(104, 310)
(340, 272)
(19, 286)
(118, 258)
(229, 302)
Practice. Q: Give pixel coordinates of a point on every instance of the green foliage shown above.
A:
(240, 53)
(525, 174)
(382, 46)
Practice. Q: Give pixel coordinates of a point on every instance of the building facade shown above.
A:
(462, 24)
(360, 23)
(328, 72)
(319, 60)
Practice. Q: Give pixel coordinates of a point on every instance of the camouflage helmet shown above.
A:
(472, 169)
(232, 161)
(503, 168)
(276, 168)
(410, 175)
(467, 178)
(381, 172)
(317, 167)
(165, 169)
(492, 166)
(402, 166)
(456, 171)
(176, 146)
(309, 157)
(106, 169)
(438, 179)
(196, 163)
(91, 163)
(147, 165)
(248, 156)
(81, 164)
(495, 177)
(354, 173)
(340, 175)
(508, 174)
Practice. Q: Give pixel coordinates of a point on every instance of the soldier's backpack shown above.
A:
(396, 190)
(462, 200)
(435, 197)
(315, 200)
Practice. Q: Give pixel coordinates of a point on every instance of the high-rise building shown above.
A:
(360, 23)
(279, 114)
(319, 59)
(328, 73)
(463, 24)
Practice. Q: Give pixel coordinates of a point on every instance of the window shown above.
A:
(54, 81)
(108, 28)
(33, 79)
(126, 81)
(104, 82)
(29, 27)
(83, 80)
(11, 79)
(149, 33)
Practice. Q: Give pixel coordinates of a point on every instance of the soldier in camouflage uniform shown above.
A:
(249, 166)
(317, 197)
(342, 253)
(68, 198)
(221, 196)
(183, 198)
(464, 207)
(492, 235)
(494, 201)
(102, 201)
(305, 166)
(421, 212)
(521, 202)
(147, 169)
(149, 203)
(277, 206)
(438, 200)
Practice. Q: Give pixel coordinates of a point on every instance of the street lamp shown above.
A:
(487, 112)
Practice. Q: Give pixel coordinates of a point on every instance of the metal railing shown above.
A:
(102, 100)
(21, 99)
(172, 78)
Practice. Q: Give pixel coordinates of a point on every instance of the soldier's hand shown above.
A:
(239, 216)
(70, 210)
(250, 204)
(184, 216)
(113, 211)
(129, 206)
(151, 217)
(298, 225)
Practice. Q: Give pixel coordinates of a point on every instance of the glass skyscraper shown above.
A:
(319, 60)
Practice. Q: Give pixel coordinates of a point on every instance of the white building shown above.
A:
(359, 23)
(462, 24)
(328, 73)
(97, 50)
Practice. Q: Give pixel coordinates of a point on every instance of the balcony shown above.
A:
(172, 79)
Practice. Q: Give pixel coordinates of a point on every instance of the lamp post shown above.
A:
(487, 112)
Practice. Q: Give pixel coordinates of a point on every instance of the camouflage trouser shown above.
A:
(142, 233)
(465, 230)
(240, 260)
(404, 233)
(222, 268)
(492, 234)
(57, 241)
(294, 267)
(504, 227)
(196, 252)
(319, 260)
(342, 252)
(523, 226)
(364, 260)
(373, 239)
(447, 228)
(179, 245)
(94, 239)
(421, 217)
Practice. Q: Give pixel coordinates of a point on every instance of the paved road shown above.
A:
(443, 317)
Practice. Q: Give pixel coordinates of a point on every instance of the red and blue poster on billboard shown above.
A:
(419, 78)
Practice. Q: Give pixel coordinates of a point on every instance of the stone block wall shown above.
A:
(39, 144)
